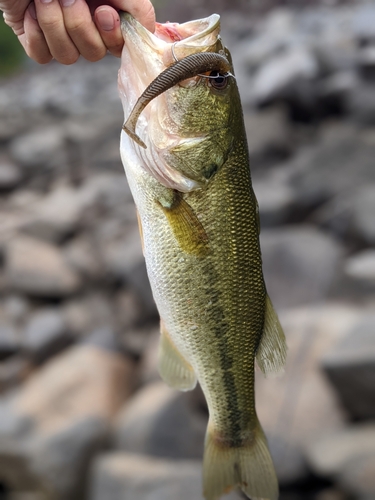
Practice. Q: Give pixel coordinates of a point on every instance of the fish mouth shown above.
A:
(145, 56)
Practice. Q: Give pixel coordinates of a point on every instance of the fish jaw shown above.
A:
(144, 57)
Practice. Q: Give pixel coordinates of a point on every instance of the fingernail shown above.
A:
(67, 3)
(105, 20)
(45, 1)
(32, 10)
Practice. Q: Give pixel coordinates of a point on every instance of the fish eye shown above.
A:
(218, 80)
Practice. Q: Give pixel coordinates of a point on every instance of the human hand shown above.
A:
(66, 29)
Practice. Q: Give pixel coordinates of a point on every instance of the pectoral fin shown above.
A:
(271, 353)
(186, 227)
(173, 367)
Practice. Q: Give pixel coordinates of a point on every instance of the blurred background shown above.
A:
(83, 413)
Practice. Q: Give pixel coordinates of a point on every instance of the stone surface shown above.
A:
(329, 454)
(43, 148)
(9, 340)
(45, 334)
(162, 422)
(299, 263)
(124, 476)
(298, 407)
(357, 477)
(364, 208)
(37, 268)
(360, 270)
(350, 367)
(54, 424)
(10, 175)
(57, 215)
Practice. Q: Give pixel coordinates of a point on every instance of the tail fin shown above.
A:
(249, 466)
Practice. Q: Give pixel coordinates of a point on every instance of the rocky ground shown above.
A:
(83, 414)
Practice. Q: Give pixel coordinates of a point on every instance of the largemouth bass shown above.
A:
(186, 159)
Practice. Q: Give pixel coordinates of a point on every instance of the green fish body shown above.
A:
(200, 229)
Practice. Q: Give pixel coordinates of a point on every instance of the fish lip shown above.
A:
(130, 26)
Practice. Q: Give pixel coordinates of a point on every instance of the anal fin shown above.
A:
(271, 353)
(173, 367)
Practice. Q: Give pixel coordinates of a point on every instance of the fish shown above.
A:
(184, 149)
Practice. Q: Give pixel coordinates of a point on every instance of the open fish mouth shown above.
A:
(145, 56)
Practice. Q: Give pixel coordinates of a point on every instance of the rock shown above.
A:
(326, 170)
(363, 22)
(364, 208)
(9, 340)
(56, 216)
(275, 200)
(162, 422)
(88, 313)
(360, 270)
(129, 312)
(83, 258)
(52, 426)
(13, 371)
(276, 74)
(300, 264)
(350, 367)
(10, 175)
(16, 308)
(45, 334)
(268, 135)
(149, 362)
(125, 262)
(357, 477)
(40, 149)
(38, 269)
(360, 104)
(329, 454)
(300, 407)
(123, 476)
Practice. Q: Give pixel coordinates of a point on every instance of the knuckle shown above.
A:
(76, 25)
(95, 56)
(49, 24)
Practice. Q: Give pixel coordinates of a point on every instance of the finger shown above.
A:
(108, 22)
(33, 40)
(15, 19)
(142, 10)
(82, 30)
(51, 22)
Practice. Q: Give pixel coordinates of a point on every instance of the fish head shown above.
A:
(188, 130)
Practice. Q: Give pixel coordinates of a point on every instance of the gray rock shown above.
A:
(10, 175)
(329, 454)
(83, 257)
(125, 262)
(268, 135)
(300, 264)
(350, 367)
(363, 22)
(363, 216)
(357, 477)
(299, 407)
(9, 340)
(52, 426)
(326, 170)
(40, 149)
(129, 312)
(38, 269)
(161, 422)
(16, 308)
(88, 313)
(57, 215)
(123, 476)
(45, 334)
(275, 75)
(360, 270)
(275, 199)
(13, 371)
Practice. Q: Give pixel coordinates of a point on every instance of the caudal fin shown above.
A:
(249, 467)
